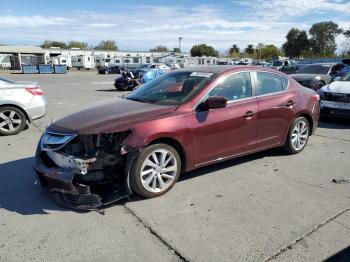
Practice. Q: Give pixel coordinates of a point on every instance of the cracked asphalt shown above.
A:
(263, 207)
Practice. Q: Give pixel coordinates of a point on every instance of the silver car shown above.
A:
(19, 103)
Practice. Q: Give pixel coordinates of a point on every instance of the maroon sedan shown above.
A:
(180, 121)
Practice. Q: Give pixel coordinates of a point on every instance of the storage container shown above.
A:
(29, 69)
(45, 69)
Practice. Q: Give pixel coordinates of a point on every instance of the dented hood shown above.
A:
(112, 115)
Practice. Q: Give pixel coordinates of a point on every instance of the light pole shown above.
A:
(180, 38)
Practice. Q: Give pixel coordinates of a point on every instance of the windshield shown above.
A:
(5, 80)
(172, 88)
(314, 69)
(277, 63)
(346, 77)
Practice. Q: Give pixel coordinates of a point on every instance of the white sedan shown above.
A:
(335, 98)
(19, 103)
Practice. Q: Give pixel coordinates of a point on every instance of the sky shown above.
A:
(141, 25)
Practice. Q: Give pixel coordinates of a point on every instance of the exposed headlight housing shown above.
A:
(55, 141)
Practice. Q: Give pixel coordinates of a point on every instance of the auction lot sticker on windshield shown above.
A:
(202, 74)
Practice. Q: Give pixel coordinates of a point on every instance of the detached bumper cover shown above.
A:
(66, 192)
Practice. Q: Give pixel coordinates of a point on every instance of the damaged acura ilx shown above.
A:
(180, 121)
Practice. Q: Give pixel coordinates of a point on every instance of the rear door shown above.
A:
(275, 107)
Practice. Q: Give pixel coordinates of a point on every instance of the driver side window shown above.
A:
(236, 86)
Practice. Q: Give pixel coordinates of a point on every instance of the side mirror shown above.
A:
(338, 78)
(216, 102)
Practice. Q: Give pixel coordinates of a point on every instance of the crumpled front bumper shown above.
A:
(68, 193)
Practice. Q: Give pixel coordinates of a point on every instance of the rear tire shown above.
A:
(155, 171)
(12, 120)
(298, 136)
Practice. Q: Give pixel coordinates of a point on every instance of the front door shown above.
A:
(231, 130)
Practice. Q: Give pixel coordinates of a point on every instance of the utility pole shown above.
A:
(180, 38)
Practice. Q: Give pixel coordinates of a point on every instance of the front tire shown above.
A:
(155, 171)
(298, 136)
(12, 120)
(319, 85)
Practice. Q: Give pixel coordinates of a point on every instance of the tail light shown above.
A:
(34, 90)
(316, 97)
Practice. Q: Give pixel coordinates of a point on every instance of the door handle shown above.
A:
(290, 103)
(248, 114)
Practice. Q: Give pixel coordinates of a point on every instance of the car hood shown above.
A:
(303, 77)
(112, 115)
(342, 87)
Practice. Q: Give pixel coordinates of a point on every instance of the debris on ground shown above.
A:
(340, 180)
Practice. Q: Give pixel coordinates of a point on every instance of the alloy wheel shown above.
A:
(158, 171)
(10, 121)
(300, 135)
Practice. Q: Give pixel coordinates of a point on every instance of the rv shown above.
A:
(83, 62)
(62, 60)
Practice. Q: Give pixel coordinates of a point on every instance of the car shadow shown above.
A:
(18, 191)
(334, 123)
(107, 90)
(342, 255)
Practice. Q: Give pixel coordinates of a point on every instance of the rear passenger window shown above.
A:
(268, 83)
(236, 86)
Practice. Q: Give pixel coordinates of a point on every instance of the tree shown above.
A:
(159, 48)
(269, 52)
(176, 50)
(250, 50)
(347, 33)
(50, 43)
(234, 51)
(203, 50)
(297, 43)
(77, 44)
(107, 45)
(322, 39)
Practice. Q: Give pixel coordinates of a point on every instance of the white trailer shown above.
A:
(103, 60)
(83, 62)
(62, 60)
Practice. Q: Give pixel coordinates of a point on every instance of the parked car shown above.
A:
(114, 69)
(19, 103)
(159, 66)
(183, 120)
(291, 69)
(151, 74)
(335, 97)
(315, 76)
(346, 61)
(173, 66)
(222, 62)
(140, 68)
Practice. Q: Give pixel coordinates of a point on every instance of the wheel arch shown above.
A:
(175, 144)
(309, 120)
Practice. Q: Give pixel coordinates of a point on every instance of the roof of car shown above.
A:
(218, 69)
(326, 64)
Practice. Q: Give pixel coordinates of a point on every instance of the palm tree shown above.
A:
(250, 49)
(234, 50)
